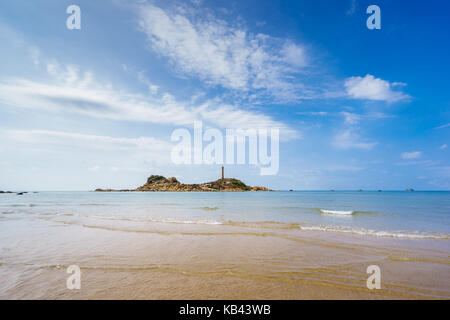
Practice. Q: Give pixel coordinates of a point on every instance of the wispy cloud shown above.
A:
(35, 55)
(123, 153)
(88, 141)
(425, 163)
(443, 126)
(200, 45)
(350, 139)
(10, 36)
(313, 113)
(371, 88)
(351, 118)
(411, 155)
(79, 92)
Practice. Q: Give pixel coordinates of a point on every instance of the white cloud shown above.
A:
(379, 115)
(371, 88)
(94, 102)
(349, 139)
(294, 55)
(443, 126)
(103, 151)
(444, 146)
(351, 118)
(313, 113)
(80, 93)
(411, 155)
(211, 49)
(228, 116)
(426, 163)
(88, 141)
(153, 88)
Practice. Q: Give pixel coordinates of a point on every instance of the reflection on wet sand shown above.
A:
(126, 259)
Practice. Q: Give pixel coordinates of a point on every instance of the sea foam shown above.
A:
(337, 212)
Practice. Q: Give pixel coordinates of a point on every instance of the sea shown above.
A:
(224, 245)
(418, 214)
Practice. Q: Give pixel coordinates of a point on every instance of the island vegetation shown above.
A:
(161, 183)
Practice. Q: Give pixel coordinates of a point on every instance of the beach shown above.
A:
(195, 246)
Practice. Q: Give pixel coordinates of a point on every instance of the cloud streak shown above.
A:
(350, 139)
(443, 126)
(79, 93)
(91, 141)
(411, 155)
(123, 150)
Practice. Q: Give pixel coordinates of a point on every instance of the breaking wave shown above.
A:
(293, 226)
(336, 212)
(347, 213)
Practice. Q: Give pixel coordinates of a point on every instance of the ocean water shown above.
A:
(397, 214)
(229, 245)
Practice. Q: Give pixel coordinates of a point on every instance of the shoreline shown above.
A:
(131, 260)
(223, 246)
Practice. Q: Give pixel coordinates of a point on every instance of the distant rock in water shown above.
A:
(410, 190)
(160, 183)
(5, 191)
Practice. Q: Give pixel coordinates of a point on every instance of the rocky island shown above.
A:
(160, 183)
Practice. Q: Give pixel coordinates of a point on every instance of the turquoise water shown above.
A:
(397, 214)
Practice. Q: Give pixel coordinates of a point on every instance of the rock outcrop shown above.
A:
(160, 183)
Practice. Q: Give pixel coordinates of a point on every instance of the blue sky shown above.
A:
(96, 107)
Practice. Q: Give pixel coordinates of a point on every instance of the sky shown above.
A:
(356, 108)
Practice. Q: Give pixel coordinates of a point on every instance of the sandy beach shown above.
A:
(122, 259)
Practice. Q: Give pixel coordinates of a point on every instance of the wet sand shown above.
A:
(127, 260)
